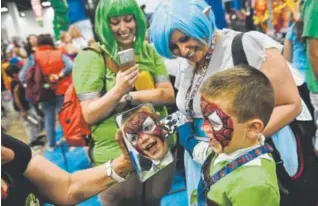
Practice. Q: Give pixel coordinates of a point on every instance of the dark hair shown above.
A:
(45, 39)
(12, 69)
(28, 46)
(249, 92)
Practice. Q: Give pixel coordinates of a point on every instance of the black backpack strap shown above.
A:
(238, 53)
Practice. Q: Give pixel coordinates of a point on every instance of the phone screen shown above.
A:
(126, 59)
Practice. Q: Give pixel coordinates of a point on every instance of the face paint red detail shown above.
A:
(223, 135)
(135, 127)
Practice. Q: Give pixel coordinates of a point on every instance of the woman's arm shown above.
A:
(288, 48)
(68, 63)
(287, 99)
(97, 109)
(163, 94)
(62, 188)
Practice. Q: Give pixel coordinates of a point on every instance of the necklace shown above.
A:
(195, 87)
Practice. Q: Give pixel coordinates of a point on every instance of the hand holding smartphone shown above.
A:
(126, 59)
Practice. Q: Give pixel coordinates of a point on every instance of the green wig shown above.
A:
(107, 9)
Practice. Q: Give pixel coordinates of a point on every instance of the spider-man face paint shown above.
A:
(145, 134)
(220, 122)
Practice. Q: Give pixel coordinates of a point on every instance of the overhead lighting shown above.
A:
(22, 14)
(4, 9)
(46, 3)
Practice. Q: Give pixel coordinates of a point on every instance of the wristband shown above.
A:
(111, 173)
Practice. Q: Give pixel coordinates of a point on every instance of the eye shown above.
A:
(114, 21)
(173, 47)
(133, 138)
(184, 39)
(149, 125)
(216, 121)
(128, 19)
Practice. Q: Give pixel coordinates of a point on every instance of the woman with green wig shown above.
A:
(103, 88)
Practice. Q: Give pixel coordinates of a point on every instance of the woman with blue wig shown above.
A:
(190, 34)
(105, 88)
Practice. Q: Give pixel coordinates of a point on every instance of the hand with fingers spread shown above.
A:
(125, 79)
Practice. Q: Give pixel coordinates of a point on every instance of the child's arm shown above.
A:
(16, 95)
(199, 150)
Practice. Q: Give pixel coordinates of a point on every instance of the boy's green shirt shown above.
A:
(249, 185)
(89, 76)
(310, 15)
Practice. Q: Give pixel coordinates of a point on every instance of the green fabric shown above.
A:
(60, 21)
(89, 74)
(246, 186)
(310, 16)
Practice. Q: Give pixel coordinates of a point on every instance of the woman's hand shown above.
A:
(54, 78)
(125, 79)
(124, 159)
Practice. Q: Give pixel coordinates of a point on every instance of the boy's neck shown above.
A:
(230, 150)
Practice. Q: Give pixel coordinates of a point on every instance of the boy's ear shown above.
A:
(207, 11)
(254, 128)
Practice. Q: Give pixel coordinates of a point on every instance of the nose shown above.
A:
(183, 50)
(122, 27)
(143, 138)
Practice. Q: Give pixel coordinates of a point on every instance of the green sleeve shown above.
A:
(310, 19)
(260, 194)
(160, 70)
(88, 73)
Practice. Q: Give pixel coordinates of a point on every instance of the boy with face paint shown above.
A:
(142, 129)
(237, 104)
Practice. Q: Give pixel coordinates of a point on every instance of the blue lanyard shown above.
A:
(205, 184)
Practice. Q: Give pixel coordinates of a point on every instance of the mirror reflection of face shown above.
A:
(218, 125)
(145, 134)
(124, 29)
(184, 46)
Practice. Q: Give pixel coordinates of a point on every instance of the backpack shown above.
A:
(305, 178)
(37, 87)
(75, 129)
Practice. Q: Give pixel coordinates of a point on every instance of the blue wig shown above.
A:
(188, 18)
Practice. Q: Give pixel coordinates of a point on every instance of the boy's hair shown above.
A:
(249, 91)
(12, 69)
(189, 18)
(107, 9)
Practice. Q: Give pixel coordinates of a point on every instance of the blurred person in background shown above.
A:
(67, 46)
(27, 114)
(57, 67)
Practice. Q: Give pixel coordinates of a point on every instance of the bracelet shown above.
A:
(111, 173)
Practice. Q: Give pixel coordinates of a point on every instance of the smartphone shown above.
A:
(126, 59)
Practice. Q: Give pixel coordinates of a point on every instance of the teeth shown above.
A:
(191, 54)
(124, 35)
(150, 145)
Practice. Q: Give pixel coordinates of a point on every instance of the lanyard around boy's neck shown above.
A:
(205, 184)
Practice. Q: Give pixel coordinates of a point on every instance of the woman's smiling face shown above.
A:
(124, 29)
(187, 47)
